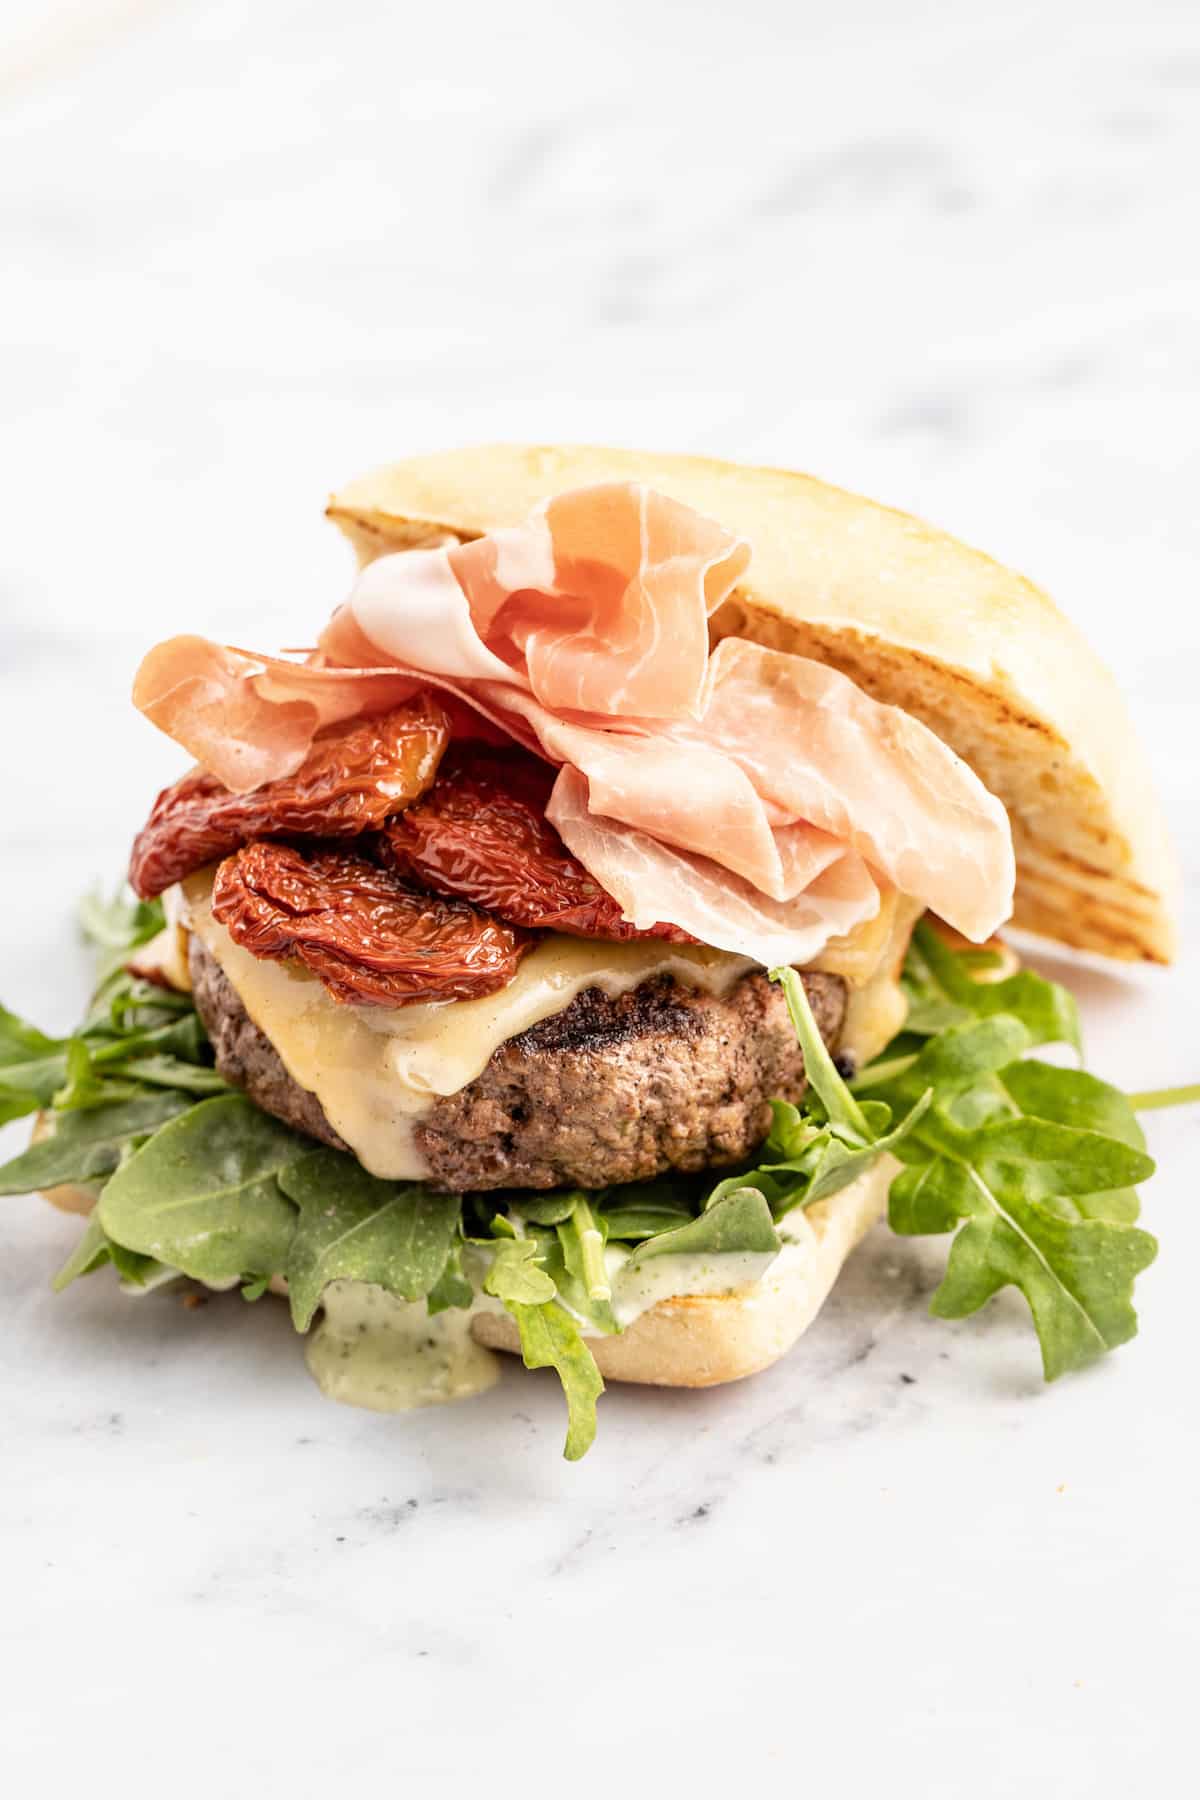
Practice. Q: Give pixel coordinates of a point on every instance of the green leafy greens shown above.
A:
(550, 1340)
(203, 1193)
(354, 1227)
(1032, 1167)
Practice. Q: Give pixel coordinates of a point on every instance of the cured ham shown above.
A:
(816, 747)
(649, 880)
(757, 800)
(251, 719)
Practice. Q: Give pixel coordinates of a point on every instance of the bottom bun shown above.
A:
(701, 1340)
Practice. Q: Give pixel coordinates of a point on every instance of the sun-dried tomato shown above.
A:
(481, 833)
(368, 937)
(356, 774)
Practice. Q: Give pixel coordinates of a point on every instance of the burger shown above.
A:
(592, 934)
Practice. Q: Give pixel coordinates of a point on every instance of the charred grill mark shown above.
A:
(595, 1022)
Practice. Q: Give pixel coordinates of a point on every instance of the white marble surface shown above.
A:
(946, 255)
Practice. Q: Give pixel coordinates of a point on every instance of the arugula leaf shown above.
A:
(32, 1066)
(835, 1164)
(136, 1036)
(959, 1058)
(841, 1108)
(90, 1253)
(126, 1003)
(122, 922)
(396, 1235)
(639, 1209)
(172, 1072)
(1072, 1097)
(22, 1043)
(1042, 1159)
(84, 1146)
(624, 1224)
(582, 1242)
(451, 1287)
(571, 1254)
(516, 1275)
(546, 1209)
(1076, 1276)
(139, 1271)
(942, 992)
(550, 1339)
(95, 1248)
(814, 1152)
(147, 1030)
(1034, 1168)
(202, 1194)
(84, 1087)
(32, 1088)
(118, 926)
(594, 1314)
(736, 1222)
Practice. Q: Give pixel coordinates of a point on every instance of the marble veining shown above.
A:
(947, 256)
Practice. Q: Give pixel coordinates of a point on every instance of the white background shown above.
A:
(946, 255)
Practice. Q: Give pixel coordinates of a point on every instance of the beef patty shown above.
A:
(609, 1090)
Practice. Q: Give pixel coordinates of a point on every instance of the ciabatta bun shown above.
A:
(916, 618)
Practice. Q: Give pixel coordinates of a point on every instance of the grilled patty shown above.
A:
(608, 1090)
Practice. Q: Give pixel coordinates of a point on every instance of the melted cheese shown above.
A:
(860, 953)
(164, 959)
(376, 1070)
(875, 1004)
(875, 1012)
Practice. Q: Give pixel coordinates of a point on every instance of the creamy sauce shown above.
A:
(376, 1070)
(388, 1355)
(638, 1286)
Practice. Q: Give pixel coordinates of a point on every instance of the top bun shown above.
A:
(979, 654)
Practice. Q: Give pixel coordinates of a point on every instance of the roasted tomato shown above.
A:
(481, 833)
(356, 774)
(369, 937)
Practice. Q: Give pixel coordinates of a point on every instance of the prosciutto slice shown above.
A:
(251, 719)
(816, 747)
(642, 875)
(757, 800)
(603, 598)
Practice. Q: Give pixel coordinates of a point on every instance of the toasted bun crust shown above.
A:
(916, 618)
(701, 1340)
